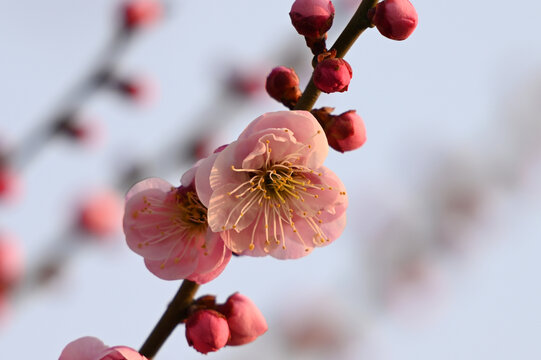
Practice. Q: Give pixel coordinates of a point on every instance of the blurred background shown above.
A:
(440, 256)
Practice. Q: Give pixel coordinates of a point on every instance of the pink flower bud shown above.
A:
(312, 18)
(139, 13)
(207, 330)
(332, 75)
(245, 320)
(11, 262)
(101, 213)
(346, 131)
(395, 19)
(283, 85)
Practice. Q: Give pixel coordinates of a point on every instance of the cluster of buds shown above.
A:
(345, 132)
(212, 326)
(312, 19)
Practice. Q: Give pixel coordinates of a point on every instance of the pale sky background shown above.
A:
(442, 91)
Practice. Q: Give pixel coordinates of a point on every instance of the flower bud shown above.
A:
(101, 214)
(245, 320)
(139, 13)
(207, 330)
(395, 19)
(346, 131)
(332, 75)
(283, 85)
(312, 18)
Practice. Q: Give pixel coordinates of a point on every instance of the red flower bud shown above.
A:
(283, 85)
(312, 18)
(139, 13)
(346, 131)
(332, 75)
(245, 321)
(395, 19)
(207, 330)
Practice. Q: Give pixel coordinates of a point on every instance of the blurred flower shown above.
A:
(246, 323)
(395, 19)
(11, 262)
(312, 18)
(207, 331)
(168, 227)
(245, 82)
(268, 192)
(91, 348)
(101, 213)
(332, 75)
(138, 13)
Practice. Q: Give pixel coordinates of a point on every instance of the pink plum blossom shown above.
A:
(91, 348)
(269, 193)
(168, 227)
(207, 331)
(246, 323)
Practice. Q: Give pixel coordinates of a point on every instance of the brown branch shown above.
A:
(175, 313)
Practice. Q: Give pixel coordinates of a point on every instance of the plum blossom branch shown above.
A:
(356, 26)
(176, 312)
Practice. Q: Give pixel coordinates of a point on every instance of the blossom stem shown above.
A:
(175, 313)
(356, 26)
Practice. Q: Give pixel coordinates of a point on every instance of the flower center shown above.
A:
(279, 192)
(191, 212)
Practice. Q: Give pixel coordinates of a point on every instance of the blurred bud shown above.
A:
(10, 184)
(332, 75)
(101, 214)
(283, 85)
(138, 13)
(11, 262)
(245, 321)
(395, 19)
(245, 83)
(82, 129)
(138, 89)
(207, 331)
(312, 18)
(346, 131)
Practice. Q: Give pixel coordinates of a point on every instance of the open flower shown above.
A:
(91, 348)
(168, 227)
(268, 193)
